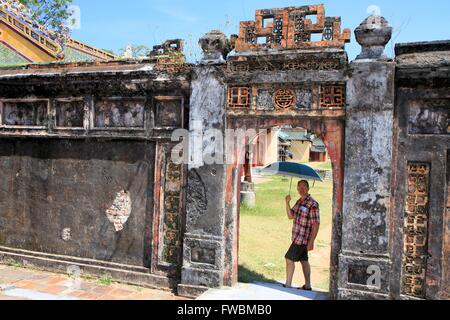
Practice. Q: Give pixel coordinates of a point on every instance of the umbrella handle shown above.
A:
(290, 188)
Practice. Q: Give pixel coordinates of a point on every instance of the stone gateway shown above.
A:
(86, 149)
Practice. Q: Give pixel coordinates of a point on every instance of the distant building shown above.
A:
(288, 144)
(298, 145)
(24, 41)
(270, 144)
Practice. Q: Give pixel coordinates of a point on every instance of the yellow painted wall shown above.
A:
(23, 45)
(272, 147)
(300, 151)
(269, 153)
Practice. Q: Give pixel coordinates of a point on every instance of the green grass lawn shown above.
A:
(265, 234)
(320, 165)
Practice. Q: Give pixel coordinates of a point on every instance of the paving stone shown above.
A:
(55, 289)
(121, 292)
(103, 290)
(26, 284)
(47, 285)
(56, 280)
(75, 293)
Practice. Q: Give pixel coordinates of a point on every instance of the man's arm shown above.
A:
(288, 208)
(315, 219)
(315, 232)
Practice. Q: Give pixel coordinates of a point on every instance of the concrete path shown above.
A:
(261, 291)
(18, 283)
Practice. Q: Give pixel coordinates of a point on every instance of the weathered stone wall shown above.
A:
(364, 262)
(367, 180)
(204, 251)
(61, 197)
(87, 176)
(421, 223)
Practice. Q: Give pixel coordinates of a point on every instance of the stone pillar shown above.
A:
(204, 245)
(364, 262)
(248, 196)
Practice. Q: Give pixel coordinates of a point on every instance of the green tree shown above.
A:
(49, 13)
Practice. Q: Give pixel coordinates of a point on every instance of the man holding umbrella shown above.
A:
(306, 217)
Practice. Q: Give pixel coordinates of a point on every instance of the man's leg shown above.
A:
(290, 269)
(307, 273)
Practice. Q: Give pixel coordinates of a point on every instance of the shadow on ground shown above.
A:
(248, 276)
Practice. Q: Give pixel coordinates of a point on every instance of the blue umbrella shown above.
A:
(292, 169)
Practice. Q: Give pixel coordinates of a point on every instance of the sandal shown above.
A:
(305, 289)
(284, 286)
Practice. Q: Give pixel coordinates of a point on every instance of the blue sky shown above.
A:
(114, 24)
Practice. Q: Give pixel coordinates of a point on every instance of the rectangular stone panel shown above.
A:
(79, 198)
(429, 117)
(301, 99)
(169, 112)
(264, 100)
(357, 274)
(119, 113)
(202, 252)
(203, 255)
(69, 113)
(304, 99)
(24, 113)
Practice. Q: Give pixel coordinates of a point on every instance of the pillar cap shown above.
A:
(215, 46)
(373, 34)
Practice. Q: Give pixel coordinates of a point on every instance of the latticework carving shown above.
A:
(328, 31)
(291, 29)
(171, 246)
(286, 65)
(250, 35)
(416, 231)
(332, 96)
(239, 97)
(284, 99)
(278, 30)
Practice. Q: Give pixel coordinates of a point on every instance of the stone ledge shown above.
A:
(189, 291)
(349, 294)
(418, 47)
(53, 263)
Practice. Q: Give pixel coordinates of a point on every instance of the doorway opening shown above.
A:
(264, 230)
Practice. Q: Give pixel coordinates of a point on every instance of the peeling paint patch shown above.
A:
(120, 210)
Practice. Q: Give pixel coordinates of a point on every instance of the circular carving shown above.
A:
(284, 99)
(240, 67)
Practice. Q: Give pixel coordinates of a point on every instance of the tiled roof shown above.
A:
(317, 143)
(294, 135)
